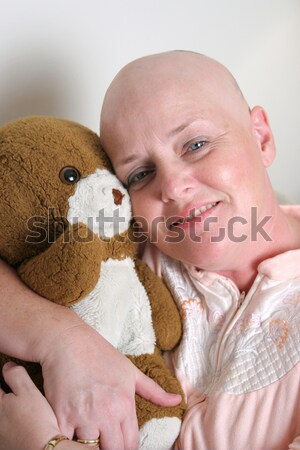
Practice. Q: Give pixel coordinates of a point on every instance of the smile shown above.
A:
(194, 213)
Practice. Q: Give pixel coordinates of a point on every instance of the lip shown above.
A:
(183, 219)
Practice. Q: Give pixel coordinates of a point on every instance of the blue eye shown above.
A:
(196, 146)
(138, 176)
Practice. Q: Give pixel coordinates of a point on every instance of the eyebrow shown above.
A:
(129, 159)
(181, 127)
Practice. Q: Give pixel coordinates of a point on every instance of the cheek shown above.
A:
(239, 168)
(148, 215)
(142, 209)
(226, 175)
(246, 184)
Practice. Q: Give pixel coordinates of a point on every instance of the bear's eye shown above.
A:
(69, 175)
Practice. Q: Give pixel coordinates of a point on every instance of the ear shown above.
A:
(263, 134)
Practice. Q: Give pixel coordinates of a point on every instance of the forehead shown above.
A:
(161, 109)
(153, 97)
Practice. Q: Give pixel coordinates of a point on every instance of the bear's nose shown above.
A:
(118, 197)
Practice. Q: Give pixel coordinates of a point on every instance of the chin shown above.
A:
(211, 256)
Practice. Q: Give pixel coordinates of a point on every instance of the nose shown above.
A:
(118, 196)
(176, 182)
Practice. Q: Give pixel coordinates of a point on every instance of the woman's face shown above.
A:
(194, 163)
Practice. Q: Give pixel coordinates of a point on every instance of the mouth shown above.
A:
(194, 213)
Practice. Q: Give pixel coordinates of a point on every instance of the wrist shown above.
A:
(61, 322)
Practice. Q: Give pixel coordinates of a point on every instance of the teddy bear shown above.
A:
(66, 227)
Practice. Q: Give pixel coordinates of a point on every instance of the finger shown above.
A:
(87, 432)
(150, 390)
(111, 437)
(17, 378)
(4, 368)
(66, 428)
(130, 432)
(8, 365)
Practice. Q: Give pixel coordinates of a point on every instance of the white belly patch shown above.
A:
(119, 308)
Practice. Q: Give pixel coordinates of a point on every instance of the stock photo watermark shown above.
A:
(46, 229)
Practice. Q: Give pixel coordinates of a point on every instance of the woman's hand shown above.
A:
(92, 387)
(27, 421)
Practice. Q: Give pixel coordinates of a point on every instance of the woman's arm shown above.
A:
(89, 384)
(34, 321)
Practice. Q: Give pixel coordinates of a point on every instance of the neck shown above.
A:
(285, 236)
(242, 278)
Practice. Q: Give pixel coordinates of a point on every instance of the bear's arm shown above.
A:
(165, 315)
(67, 270)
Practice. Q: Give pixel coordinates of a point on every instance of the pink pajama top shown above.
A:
(239, 357)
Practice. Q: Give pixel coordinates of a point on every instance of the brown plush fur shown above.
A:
(154, 367)
(160, 300)
(64, 266)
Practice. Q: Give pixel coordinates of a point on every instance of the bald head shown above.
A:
(138, 82)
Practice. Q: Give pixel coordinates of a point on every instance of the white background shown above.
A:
(57, 57)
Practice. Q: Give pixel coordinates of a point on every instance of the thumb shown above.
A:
(148, 389)
(16, 378)
(4, 370)
(8, 365)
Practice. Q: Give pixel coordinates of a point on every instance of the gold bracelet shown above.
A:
(54, 441)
